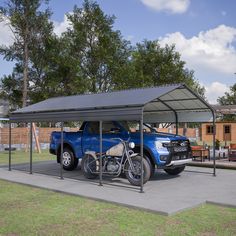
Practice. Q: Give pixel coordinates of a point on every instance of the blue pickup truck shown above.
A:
(161, 150)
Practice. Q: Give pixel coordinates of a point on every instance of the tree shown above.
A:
(30, 27)
(61, 75)
(12, 91)
(228, 99)
(153, 65)
(100, 51)
(89, 57)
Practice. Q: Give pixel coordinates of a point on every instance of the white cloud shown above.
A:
(6, 35)
(211, 50)
(60, 27)
(172, 6)
(215, 90)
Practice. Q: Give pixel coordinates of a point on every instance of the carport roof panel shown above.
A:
(121, 105)
(125, 98)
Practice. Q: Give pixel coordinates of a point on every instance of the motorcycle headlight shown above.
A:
(131, 145)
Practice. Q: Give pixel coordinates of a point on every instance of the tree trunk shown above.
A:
(25, 75)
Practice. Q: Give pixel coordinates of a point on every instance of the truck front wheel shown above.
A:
(69, 160)
(175, 171)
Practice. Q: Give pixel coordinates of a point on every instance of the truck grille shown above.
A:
(179, 150)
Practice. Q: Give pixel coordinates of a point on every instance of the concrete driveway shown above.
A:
(163, 194)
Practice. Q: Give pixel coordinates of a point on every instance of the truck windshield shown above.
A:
(134, 127)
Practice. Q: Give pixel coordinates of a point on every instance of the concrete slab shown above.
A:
(164, 194)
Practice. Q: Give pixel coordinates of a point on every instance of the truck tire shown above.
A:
(69, 160)
(88, 165)
(135, 178)
(152, 167)
(175, 171)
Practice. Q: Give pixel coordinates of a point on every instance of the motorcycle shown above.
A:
(115, 161)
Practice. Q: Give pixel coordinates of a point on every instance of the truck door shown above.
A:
(91, 138)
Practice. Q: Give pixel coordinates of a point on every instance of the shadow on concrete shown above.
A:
(51, 168)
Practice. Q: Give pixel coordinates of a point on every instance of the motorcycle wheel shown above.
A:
(135, 177)
(88, 166)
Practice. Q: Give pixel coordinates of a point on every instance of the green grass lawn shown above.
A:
(23, 157)
(31, 211)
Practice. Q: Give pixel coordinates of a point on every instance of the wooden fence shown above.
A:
(21, 135)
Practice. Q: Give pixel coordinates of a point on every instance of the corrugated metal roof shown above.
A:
(131, 104)
(133, 97)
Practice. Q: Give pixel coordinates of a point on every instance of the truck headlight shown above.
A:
(158, 144)
(161, 145)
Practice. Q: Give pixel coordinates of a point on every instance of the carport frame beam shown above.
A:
(214, 128)
(214, 143)
(100, 157)
(31, 147)
(141, 152)
(62, 150)
(176, 116)
(9, 164)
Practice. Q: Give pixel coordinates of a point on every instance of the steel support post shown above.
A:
(214, 144)
(9, 166)
(31, 146)
(141, 152)
(61, 157)
(100, 157)
(176, 123)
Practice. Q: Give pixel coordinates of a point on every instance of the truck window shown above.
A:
(93, 127)
(133, 126)
(108, 127)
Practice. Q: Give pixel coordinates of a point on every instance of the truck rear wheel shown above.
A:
(175, 171)
(134, 177)
(69, 160)
(88, 166)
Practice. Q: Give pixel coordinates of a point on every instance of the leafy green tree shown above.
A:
(153, 65)
(89, 57)
(62, 74)
(101, 52)
(228, 99)
(12, 91)
(30, 27)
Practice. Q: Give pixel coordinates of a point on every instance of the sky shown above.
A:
(203, 31)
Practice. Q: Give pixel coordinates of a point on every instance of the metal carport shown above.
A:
(170, 103)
